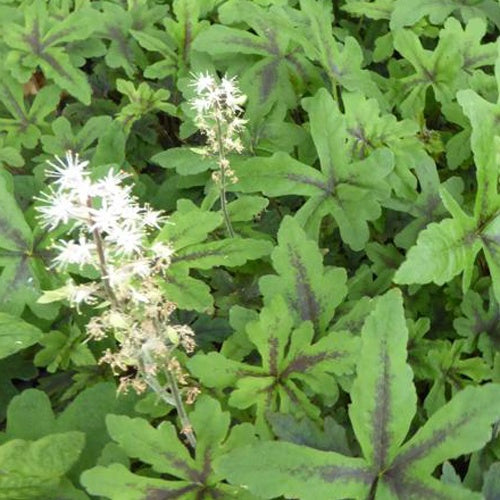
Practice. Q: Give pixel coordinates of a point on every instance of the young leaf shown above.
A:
(312, 291)
(161, 448)
(443, 251)
(381, 417)
(436, 69)
(342, 62)
(175, 41)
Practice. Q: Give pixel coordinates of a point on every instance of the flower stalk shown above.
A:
(112, 236)
(218, 116)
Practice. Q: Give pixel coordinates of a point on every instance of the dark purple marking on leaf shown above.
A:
(381, 414)
(196, 255)
(234, 41)
(33, 38)
(303, 179)
(116, 35)
(188, 37)
(54, 64)
(269, 77)
(305, 362)
(193, 474)
(405, 487)
(13, 234)
(21, 115)
(332, 473)
(305, 300)
(417, 451)
(273, 356)
(51, 40)
(479, 60)
(161, 494)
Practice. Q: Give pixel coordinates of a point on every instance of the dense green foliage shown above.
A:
(348, 334)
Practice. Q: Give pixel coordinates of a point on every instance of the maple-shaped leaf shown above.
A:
(350, 191)
(291, 365)
(26, 122)
(41, 42)
(383, 406)
(174, 42)
(272, 58)
(437, 69)
(189, 478)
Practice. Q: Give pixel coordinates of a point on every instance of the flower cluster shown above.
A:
(111, 236)
(218, 116)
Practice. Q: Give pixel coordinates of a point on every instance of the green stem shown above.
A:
(99, 244)
(222, 187)
(181, 412)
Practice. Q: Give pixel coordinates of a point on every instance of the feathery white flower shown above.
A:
(71, 252)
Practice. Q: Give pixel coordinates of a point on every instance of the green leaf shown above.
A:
(436, 69)
(378, 9)
(23, 271)
(34, 469)
(41, 43)
(342, 62)
(272, 469)
(16, 334)
(229, 253)
(408, 13)
(491, 487)
(443, 251)
(15, 234)
(31, 417)
(290, 364)
(161, 448)
(459, 427)
(117, 483)
(381, 422)
(383, 406)
(188, 225)
(186, 161)
(25, 125)
(266, 77)
(351, 192)
(64, 138)
(312, 290)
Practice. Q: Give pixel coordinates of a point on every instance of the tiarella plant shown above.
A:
(111, 232)
(249, 249)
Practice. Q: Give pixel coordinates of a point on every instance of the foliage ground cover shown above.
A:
(249, 249)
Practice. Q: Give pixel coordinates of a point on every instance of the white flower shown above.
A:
(59, 209)
(70, 252)
(68, 174)
(203, 82)
(162, 251)
(78, 294)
